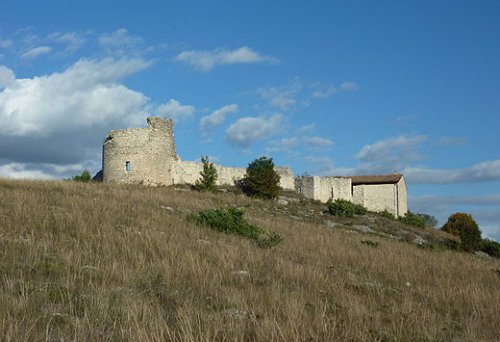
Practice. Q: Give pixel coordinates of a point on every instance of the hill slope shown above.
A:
(103, 262)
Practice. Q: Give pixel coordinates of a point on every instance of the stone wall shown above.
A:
(376, 197)
(187, 172)
(140, 155)
(383, 197)
(324, 188)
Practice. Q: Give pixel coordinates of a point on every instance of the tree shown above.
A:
(261, 180)
(208, 176)
(430, 221)
(84, 177)
(464, 226)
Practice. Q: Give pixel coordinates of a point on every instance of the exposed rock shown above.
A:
(362, 228)
(482, 254)
(167, 208)
(239, 314)
(419, 240)
(332, 224)
(241, 273)
(282, 201)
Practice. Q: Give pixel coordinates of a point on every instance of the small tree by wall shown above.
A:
(208, 176)
(261, 180)
(464, 226)
(84, 177)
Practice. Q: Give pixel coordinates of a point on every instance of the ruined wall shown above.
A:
(324, 188)
(376, 197)
(140, 155)
(187, 172)
(402, 195)
(334, 188)
(380, 197)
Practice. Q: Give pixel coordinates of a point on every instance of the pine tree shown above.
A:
(208, 176)
(261, 180)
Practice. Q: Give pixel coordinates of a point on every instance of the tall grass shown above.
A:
(92, 262)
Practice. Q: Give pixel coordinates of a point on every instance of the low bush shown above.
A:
(491, 247)
(413, 219)
(84, 177)
(230, 220)
(341, 207)
(388, 215)
(370, 243)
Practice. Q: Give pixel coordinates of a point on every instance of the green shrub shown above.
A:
(341, 207)
(230, 220)
(413, 219)
(429, 221)
(261, 180)
(208, 176)
(370, 243)
(491, 247)
(84, 177)
(388, 215)
(464, 226)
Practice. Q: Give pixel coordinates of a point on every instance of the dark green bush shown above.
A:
(429, 220)
(491, 247)
(261, 180)
(464, 226)
(413, 219)
(84, 177)
(370, 243)
(341, 207)
(388, 215)
(208, 177)
(230, 220)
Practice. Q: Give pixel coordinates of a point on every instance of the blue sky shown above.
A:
(325, 87)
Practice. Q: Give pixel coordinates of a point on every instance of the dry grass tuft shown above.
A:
(91, 262)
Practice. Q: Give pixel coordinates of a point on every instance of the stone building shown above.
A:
(148, 156)
(376, 193)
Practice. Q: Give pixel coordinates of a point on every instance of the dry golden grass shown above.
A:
(96, 262)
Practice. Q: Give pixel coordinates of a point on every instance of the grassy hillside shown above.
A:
(92, 262)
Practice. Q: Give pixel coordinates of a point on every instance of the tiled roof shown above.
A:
(376, 179)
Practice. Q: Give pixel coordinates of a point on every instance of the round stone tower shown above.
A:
(140, 155)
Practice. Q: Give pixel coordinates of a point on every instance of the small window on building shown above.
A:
(128, 166)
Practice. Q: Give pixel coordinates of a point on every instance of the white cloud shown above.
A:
(318, 142)
(86, 94)
(325, 166)
(452, 141)
(299, 142)
(173, 109)
(5, 44)
(208, 122)
(482, 172)
(72, 40)
(7, 77)
(36, 52)
(281, 97)
(332, 90)
(20, 171)
(121, 43)
(206, 60)
(248, 130)
(396, 147)
(389, 155)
